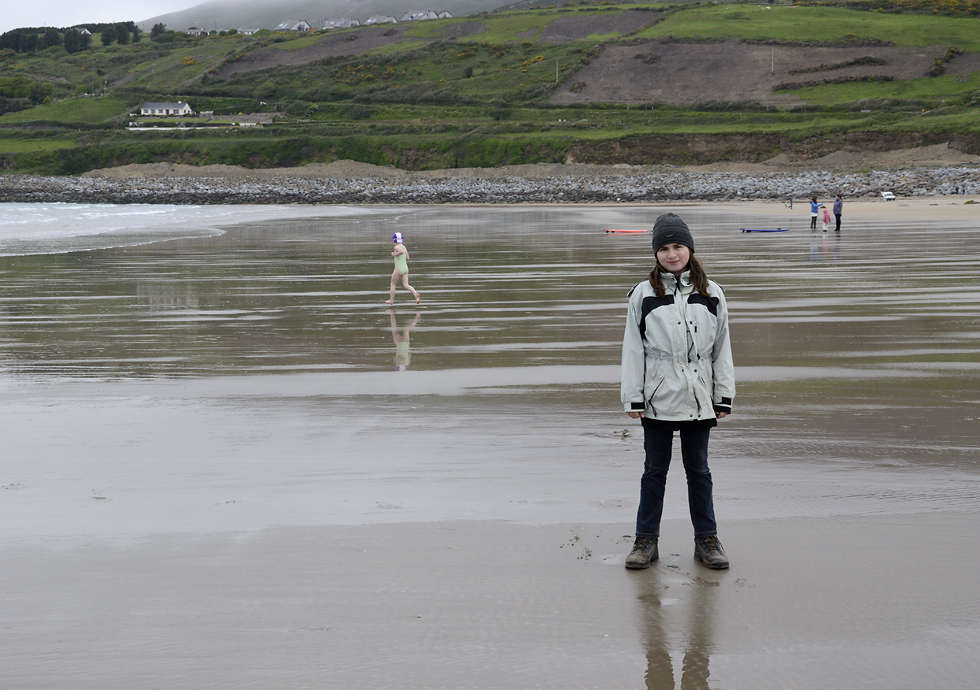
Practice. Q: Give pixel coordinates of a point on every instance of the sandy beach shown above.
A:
(214, 476)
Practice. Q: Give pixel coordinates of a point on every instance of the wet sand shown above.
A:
(214, 476)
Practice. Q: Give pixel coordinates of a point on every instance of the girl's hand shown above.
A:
(721, 415)
(635, 415)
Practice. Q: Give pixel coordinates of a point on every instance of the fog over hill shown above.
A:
(262, 14)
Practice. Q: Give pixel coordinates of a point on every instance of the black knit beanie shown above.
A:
(670, 229)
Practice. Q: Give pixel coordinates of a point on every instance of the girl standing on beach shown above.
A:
(814, 212)
(677, 375)
(400, 254)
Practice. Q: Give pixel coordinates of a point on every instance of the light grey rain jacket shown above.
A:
(677, 355)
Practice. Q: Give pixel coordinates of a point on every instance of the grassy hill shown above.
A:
(595, 82)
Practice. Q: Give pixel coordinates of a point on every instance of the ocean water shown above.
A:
(60, 228)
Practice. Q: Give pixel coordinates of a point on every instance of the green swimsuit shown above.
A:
(401, 263)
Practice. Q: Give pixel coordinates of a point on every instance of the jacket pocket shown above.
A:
(653, 384)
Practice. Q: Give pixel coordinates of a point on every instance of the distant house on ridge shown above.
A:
(342, 23)
(380, 19)
(420, 16)
(164, 109)
(294, 25)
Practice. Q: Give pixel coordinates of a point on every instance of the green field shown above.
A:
(932, 88)
(815, 24)
(89, 110)
(23, 145)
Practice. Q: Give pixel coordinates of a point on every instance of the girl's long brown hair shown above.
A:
(698, 278)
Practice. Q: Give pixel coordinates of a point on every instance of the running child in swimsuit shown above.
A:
(400, 255)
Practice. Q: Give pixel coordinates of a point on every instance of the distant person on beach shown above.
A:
(814, 212)
(838, 209)
(403, 343)
(400, 253)
(677, 375)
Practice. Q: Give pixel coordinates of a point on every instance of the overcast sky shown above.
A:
(59, 13)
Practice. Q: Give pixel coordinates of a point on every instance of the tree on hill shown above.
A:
(108, 35)
(21, 40)
(157, 29)
(73, 41)
(50, 38)
(24, 88)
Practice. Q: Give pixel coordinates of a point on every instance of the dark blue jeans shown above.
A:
(657, 440)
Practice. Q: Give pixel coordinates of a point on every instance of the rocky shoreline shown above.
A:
(334, 184)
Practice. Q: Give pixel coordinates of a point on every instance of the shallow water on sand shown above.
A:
(851, 348)
(874, 330)
(229, 391)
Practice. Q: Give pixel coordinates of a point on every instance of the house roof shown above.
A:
(165, 106)
(291, 24)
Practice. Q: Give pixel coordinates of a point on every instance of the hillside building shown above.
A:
(294, 25)
(342, 23)
(166, 109)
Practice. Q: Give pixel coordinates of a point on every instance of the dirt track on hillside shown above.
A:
(566, 29)
(331, 45)
(687, 73)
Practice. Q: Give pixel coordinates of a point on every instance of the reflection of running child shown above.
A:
(403, 344)
(401, 269)
(826, 218)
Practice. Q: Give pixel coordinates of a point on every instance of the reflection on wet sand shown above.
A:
(403, 343)
(824, 247)
(676, 614)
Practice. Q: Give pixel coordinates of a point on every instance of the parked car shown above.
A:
(888, 196)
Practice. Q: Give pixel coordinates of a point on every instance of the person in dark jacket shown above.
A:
(838, 209)
(677, 376)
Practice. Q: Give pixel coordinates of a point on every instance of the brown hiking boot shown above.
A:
(644, 553)
(708, 550)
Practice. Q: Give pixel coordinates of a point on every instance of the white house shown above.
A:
(294, 25)
(419, 16)
(380, 19)
(342, 23)
(164, 109)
